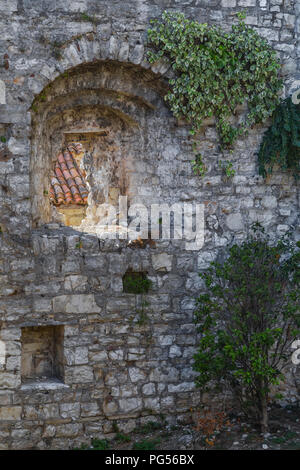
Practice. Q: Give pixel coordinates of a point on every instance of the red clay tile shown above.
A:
(67, 181)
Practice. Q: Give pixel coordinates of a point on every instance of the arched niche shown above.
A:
(115, 110)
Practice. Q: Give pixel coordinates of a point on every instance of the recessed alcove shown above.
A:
(107, 109)
(136, 282)
(42, 354)
(102, 164)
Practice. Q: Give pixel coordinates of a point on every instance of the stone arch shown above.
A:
(88, 48)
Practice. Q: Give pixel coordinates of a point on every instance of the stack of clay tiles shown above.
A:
(68, 186)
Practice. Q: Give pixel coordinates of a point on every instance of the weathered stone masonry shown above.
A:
(62, 302)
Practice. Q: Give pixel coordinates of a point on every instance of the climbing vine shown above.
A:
(281, 142)
(215, 72)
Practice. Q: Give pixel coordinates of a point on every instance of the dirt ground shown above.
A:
(223, 433)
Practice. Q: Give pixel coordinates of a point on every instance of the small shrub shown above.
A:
(146, 444)
(227, 168)
(115, 427)
(82, 447)
(248, 318)
(99, 444)
(86, 17)
(122, 437)
(198, 166)
(151, 426)
(57, 54)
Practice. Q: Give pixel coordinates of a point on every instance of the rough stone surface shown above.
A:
(116, 362)
(162, 262)
(2, 92)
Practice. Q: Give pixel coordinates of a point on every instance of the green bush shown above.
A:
(100, 444)
(122, 437)
(96, 444)
(248, 317)
(146, 444)
(149, 427)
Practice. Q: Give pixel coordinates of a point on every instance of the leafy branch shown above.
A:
(215, 72)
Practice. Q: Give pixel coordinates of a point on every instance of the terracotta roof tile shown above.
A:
(67, 180)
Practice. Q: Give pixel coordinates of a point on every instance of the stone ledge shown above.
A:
(51, 384)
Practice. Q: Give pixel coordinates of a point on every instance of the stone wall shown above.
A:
(122, 360)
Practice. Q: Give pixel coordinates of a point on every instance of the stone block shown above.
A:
(2, 92)
(205, 258)
(89, 409)
(175, 351)
(9, 380)
(152, 404)
(77, 303)
(130, 405)
(10, 413)
(69, 410)
(162, 262)
(137, 375)
(235, 222)
(110, 407)
(8, 7)
(137, 54)
(165, 340)
(269, 202)
(82, 374)
(228, 3)
(68, 430)
(149, 389)
(247, 3)
(182, 387)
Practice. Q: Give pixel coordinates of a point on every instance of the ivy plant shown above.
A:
(198, 165)
(216, 71)
(227, 168)
(248, 317)
(281, 142)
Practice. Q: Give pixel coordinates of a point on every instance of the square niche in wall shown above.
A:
(42, 353)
